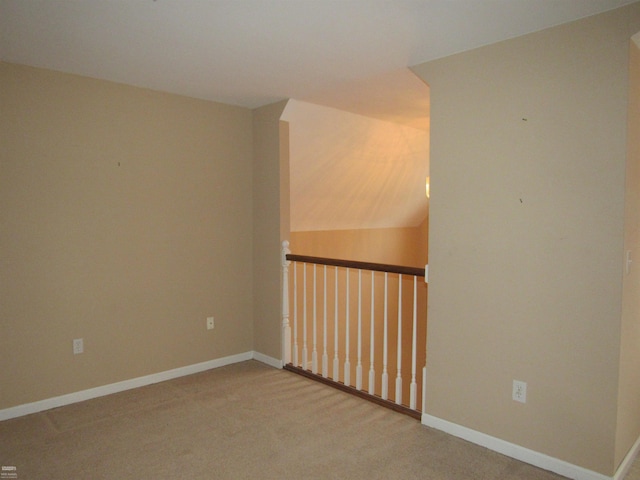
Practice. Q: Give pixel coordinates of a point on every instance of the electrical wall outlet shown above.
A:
(78, 346)
(210, 323)
(519, 391)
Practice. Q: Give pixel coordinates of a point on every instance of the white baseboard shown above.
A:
(273, 362)
(75, 397)
(625, 466)
(515, 451)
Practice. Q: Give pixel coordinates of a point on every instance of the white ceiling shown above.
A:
(255, 52)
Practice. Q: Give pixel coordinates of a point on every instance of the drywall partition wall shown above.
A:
(268, 143)
(628, 429)
(528, 146)
(126, 220)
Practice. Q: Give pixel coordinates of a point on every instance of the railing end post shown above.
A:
(286, 328)
(285, 252)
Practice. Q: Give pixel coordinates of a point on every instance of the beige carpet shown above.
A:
(238, 422)
(634, 471)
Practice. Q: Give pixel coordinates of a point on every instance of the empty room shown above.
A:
(233, 231)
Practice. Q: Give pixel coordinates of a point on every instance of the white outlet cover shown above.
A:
(78, 346)
(519, 393)
(210, 323)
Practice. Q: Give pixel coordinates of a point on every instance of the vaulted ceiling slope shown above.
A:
(350, 172)
(255, 52)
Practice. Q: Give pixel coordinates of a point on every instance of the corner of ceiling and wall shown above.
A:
(359, 155)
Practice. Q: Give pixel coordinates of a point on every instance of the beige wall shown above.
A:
(267, 226)
(628, 428)
(528, 151)
(126, 219)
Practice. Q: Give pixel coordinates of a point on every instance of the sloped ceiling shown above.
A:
(349, 171)
(398, 96)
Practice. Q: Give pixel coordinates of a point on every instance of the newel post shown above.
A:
(286, 328)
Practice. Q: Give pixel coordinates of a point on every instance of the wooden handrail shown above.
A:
(378, 267)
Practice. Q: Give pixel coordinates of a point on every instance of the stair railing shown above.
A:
(384, 324)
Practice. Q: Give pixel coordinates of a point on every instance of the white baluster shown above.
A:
(336, 359)
(399, 374)
(325, 358)
(372, 373)
(305, 353)
(286, 328)
(347, 363)
(413, 395)
(314, 352)
(424, 369)
(385, 350)
(359, 364)
(295, 315)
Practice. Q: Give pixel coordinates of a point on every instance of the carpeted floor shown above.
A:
(634, 471)
(242, 421)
